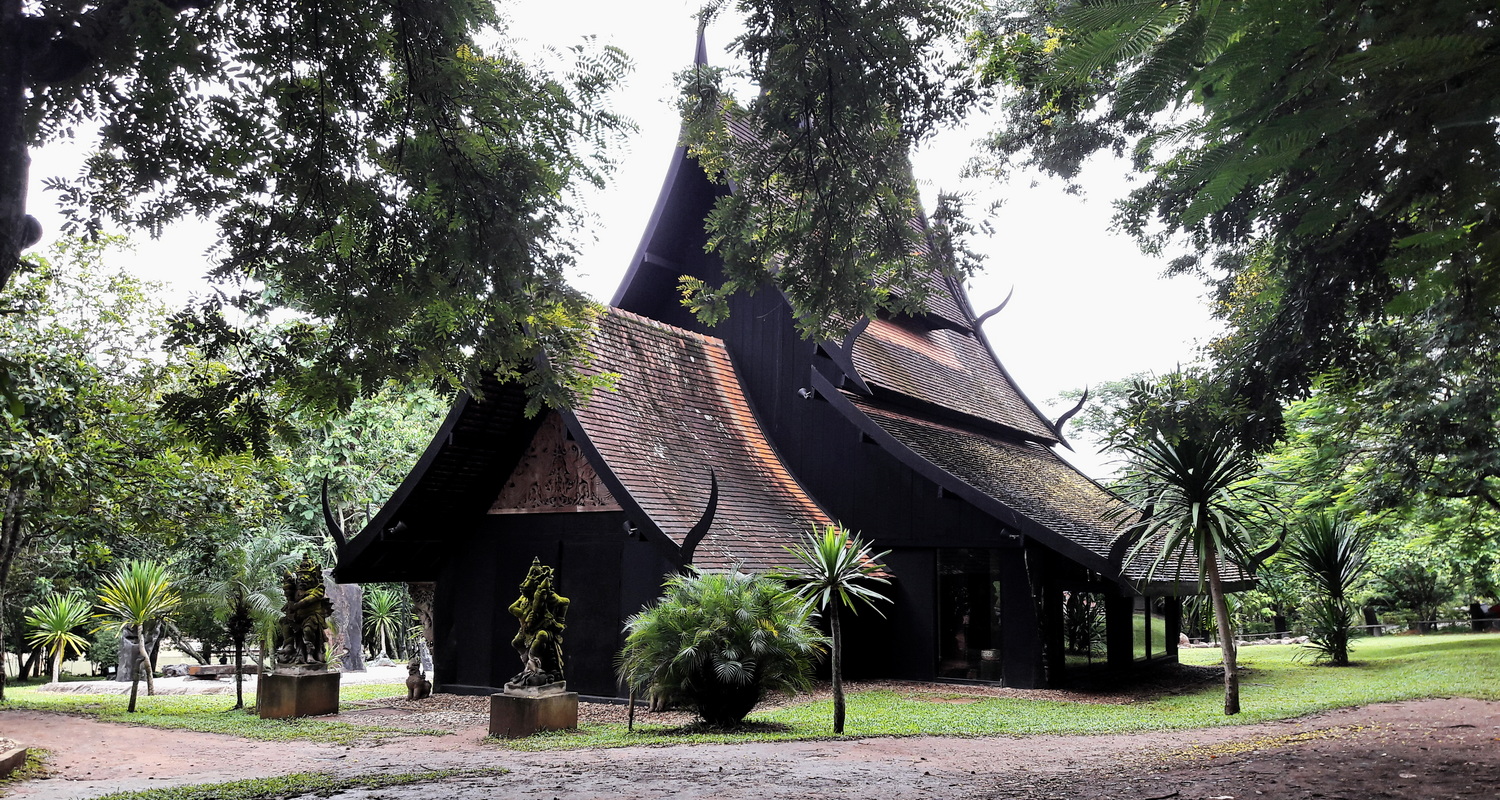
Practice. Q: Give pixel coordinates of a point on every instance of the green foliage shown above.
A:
(716, 642)
(206, 714)
(299, 784)
(385, 610)
(836, 565)
(835, 568)
(1414, 587)
(140, 595)
(1083, 624)
(104, 648)
(55, 623)
(1199, 506)
(393, 175)
(1332, 555)
(1331, 167)
(824, 202)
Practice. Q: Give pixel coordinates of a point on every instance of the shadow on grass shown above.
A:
(747, 727)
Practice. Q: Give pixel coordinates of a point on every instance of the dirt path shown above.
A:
(1422, 749)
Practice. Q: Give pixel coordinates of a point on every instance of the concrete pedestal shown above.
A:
(306, 694)
(514, 716)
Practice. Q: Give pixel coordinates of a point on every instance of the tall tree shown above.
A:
(824, 204)
(1332, 165)
(835, 568)
(1193, 493)
(391, 170)
(55, 623)
(140, 595)
(1188, 490)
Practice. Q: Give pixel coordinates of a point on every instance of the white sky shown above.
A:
(1088, 307)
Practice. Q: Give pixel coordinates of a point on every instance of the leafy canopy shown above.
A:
(824, 206)
(392, 175)
(1333, 167)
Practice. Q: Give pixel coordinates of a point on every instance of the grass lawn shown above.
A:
(209, 713)
(1275, 685)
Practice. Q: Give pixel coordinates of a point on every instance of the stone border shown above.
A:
(12, 760)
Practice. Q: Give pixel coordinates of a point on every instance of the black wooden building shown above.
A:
(720, 447)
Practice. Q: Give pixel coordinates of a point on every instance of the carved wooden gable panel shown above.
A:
(554, 475)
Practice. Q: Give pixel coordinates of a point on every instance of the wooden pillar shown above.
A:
(1021, 633)
(1119, 631)
(1172, 617)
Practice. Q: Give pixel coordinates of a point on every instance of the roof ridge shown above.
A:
(631, 316)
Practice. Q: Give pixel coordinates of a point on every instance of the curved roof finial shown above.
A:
(700, 56)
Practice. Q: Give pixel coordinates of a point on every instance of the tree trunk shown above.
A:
(348, 620)
(422, 595)
(836, 665)
(239, 675)
(135, 680)
(15, 162)
(1226, 636)
(149, 666)
(57, 666)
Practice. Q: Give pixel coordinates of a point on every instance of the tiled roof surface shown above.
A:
(946, 368)
(678, 411)
(1030, 479)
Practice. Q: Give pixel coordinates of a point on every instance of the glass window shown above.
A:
(1083, 628)
(1157, 612)
(1141, 633)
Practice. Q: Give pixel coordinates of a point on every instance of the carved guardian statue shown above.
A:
(542, 613)
(304, 617)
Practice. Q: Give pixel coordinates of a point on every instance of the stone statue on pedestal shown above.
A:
(541, 612)
(304, 617)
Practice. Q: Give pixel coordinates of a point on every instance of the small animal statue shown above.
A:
(417, 685)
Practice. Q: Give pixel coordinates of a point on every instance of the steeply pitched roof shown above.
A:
(947, 368)
(1046, 497)
(677, 423)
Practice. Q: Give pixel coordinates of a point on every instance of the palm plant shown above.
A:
(139, 595)
(716, 642)
(835, 566)
(1332, 555)
(54, 624)
(1198, 506)
(246, 598)
(383, 615)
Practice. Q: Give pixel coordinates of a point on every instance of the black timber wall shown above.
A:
(871, 492)
(607, 574)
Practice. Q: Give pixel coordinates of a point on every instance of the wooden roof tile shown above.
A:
(678, 413)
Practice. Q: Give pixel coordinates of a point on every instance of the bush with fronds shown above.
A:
(716, 642)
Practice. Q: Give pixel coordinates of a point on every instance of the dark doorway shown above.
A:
(969, 614)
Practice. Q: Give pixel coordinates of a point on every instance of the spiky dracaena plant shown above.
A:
(1198, 506)
(139, 595)
(835, 567)
(54, 623)
(383, 615)
(1333, 556)
(716, 642)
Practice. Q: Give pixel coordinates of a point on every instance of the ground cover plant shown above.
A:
(296, 785)
(1277, 684)
(211, 714)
